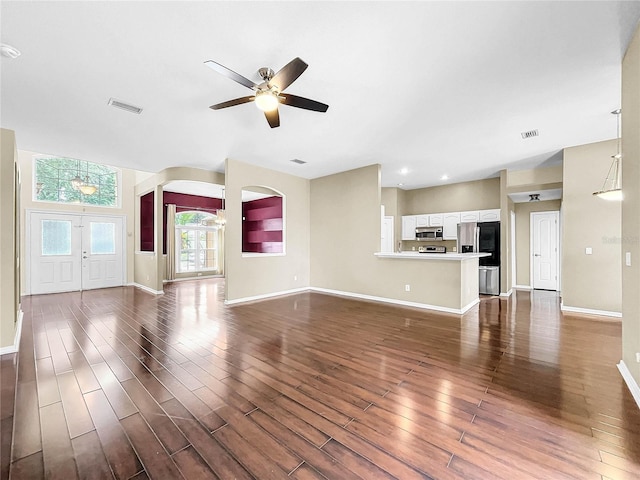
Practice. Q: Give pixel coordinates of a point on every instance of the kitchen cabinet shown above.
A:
(422, 220)
(435, 220)
(490, 215)
(450, 223)
(471, 216)
(409, 227)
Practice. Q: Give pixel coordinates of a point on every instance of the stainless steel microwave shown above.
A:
(429, 234)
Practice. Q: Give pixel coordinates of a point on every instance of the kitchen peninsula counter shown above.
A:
(431, 256)
(446, 282)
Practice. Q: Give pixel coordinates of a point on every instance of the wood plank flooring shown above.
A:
(117, 383)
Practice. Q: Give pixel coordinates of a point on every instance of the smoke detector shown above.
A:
(9, 51)
(529, 134)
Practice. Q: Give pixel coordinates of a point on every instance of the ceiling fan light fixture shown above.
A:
(266, 101)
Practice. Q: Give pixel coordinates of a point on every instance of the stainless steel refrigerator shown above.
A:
(476, 237)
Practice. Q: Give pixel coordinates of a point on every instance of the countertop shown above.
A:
(431, 256)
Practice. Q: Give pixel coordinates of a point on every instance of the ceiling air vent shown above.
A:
(125, 106)
(529, 134)
(298, 161)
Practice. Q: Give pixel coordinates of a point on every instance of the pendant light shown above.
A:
(77, 180)
(85, 186)
(221, 218)
(612, 186)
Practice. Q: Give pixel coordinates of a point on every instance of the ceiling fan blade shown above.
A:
(236, 77)
(231, 103)
(301, 102)
(273, 117)
(288, 74)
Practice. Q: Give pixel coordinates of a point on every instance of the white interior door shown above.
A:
(544, 250)
(75, 252)
(386, 244)
(101, 252)
(55, 258)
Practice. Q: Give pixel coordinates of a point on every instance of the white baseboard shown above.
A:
(522, 287)
(147, 289)
(394, 301)
(630, 381)
(16, 338)
(265, 296)
(589, 311)
(507, 294)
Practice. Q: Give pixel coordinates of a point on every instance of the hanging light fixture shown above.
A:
(86, 187)
(77, 180)
(612, 186)
(221, 218)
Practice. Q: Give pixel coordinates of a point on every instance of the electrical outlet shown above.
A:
(407, 288)
(588, 251)
(627, 259)
(638, 357)
(295, 278)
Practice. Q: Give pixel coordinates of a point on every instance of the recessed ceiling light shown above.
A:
(9, 51)
(125, 106)
(444, 177)
(404, 171)
(400, 184)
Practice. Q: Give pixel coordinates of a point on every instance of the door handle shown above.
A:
(85, 257)
(535, 255)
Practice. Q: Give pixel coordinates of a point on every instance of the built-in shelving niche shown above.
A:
(262, 225)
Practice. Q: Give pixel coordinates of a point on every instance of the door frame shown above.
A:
(28, 243)
(558, 247)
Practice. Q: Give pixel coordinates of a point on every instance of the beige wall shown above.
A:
(631, 206)
(590, 281)
(457, 197)
(149, 267)
(126, 208)
(536, 176)
(9, 266)
(345, 209)
(523, 236)
(251, 275)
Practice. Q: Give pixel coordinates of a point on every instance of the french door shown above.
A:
(75, 252)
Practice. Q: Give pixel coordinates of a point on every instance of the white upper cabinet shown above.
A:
(422, 220)
(435, 220)
(490, 215)
(409, 227)
(472, 216)
(450, 225)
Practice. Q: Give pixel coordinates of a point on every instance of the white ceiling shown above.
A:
(550, 194)
(434, 87)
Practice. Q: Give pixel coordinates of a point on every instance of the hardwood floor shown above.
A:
(118, 383)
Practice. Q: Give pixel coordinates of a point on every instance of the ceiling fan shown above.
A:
(269, 94)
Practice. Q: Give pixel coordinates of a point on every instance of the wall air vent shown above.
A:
(298, 161)
(125, 106)
(529, 134)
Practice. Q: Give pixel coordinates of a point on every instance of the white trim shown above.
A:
(265, 296)
(184, 279)
(514, 256)
(589, 311)
(507, 294)
(16, 339)
(394, 301)
(147, 289)
(630, 381)
(522, 287)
